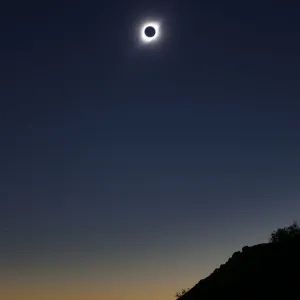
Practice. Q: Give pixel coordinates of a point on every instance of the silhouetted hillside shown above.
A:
(265, 270)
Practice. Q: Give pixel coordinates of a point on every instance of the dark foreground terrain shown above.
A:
(262, 271)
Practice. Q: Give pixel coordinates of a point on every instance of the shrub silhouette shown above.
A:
(181, 293)
(286, 234)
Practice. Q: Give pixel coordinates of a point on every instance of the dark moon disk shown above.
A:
(150, 31)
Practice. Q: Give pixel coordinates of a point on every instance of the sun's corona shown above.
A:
(149, 39)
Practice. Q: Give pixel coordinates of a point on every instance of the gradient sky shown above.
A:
(131, 172)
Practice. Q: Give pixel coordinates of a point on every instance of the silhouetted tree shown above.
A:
(286, 234)
(179, 294)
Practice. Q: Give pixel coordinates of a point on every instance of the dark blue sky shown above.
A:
(121, 154)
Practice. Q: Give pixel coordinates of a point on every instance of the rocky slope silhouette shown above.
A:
(266, 270)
